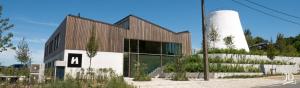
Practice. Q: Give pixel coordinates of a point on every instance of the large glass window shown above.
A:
(126, 45)
(149, 54)
(126, 65)
(150, 62)
(171, 48)
(53, 45)
(168, 59)
(133, 62)
(149, 47)
(152, 47)
(133, 45)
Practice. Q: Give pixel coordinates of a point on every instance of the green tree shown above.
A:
(258, 40)
(297, 45)
(213, 35)
(23, 52)
(297, 38)
(5, 35)
(92, 46)
(291, 51)
(296, 42)
(248, 36)
(289, 40)
(229, 41)
(281, 43)
(271, 51)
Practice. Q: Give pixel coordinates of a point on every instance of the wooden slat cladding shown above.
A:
(109, 38)
(124, 23)
(144, 30)
(75, 32)
(185, 40)
(61, 31)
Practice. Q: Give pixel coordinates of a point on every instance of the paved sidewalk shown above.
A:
(265, 82)
(280, 85)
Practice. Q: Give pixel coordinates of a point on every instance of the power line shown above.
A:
(261, 11)
(278, 11)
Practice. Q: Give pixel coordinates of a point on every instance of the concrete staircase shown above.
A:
(156, 72)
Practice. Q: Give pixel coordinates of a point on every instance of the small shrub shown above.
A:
(180, 73)
(103, 78)
(193, 67)
(181, 76)
(229, 60)
(117, 82)
(170, 67)
(140, 74)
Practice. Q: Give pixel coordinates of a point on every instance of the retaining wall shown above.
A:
(267, 67)
(197, 75)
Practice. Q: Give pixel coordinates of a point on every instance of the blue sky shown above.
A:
(37, 19)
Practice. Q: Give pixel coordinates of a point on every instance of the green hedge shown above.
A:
(232, 68)
(242, 51)
(248, 61)
(9, 71)
(195, 64)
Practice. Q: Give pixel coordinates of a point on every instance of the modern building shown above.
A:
(226, 23)
(37, 72)
(121, 45)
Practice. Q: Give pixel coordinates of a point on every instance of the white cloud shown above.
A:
(37, 22)
(8, 57)
(37, 56)
(36, 51)
(30, 40)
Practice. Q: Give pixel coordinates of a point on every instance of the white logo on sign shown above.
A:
(74, 60)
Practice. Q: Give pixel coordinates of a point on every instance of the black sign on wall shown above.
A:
(74, 60)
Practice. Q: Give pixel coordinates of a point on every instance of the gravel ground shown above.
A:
(265, 82)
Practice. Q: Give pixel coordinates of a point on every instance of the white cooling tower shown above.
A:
(226, 23)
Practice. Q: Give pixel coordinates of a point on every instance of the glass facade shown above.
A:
(151, 53)
(152, 47)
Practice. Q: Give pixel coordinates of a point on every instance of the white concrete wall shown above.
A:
(228, 74)
(41, 73)
(226, 23)
(259, 57)
(101, 60)
(266, 68)
(197, 75)
(279, 68)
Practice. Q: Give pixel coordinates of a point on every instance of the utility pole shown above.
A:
(204, 44)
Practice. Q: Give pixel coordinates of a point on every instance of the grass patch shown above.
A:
(101, 78)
